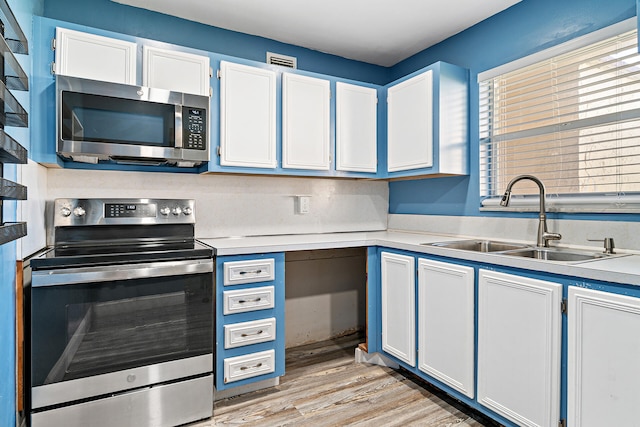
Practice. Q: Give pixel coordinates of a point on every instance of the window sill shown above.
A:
(567, 204)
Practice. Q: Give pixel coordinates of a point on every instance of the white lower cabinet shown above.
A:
(446, 323)
(251, 299)
(249, 365)
(500, 345)
(519, 344)
(249, 320)
(603, 359)
(246, 333)
(249, 271)
(398, 306)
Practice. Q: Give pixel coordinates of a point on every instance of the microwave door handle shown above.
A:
(178, 124)
(109, 273)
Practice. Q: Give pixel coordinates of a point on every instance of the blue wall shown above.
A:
(527, 27)
(23, 10)
(112, 16)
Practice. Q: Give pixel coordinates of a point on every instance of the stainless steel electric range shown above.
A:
(120, 314)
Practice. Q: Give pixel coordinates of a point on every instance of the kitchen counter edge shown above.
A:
(622, 270)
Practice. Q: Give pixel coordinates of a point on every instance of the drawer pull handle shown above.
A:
(244, 301)
(255, 333)
(244, 368)
(250, 272)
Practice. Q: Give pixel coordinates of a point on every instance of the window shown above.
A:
(571, 119)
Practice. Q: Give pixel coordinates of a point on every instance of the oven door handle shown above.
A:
(109, 273)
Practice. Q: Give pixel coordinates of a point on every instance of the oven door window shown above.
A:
(97, 118)
(89, 329)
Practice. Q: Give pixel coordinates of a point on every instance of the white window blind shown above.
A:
(572, 120)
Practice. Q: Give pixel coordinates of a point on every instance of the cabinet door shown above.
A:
(519, 331)
(356, 128)
(176, 71)
(446, 323)
(398, 306)
(305, 122)
(603, 349)
(95, 57)
(410, 123)
(247, 116)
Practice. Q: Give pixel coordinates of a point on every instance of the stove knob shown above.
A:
(187, 211)
(65, 211)
(176, 211)
(79, 211)
(165, 211)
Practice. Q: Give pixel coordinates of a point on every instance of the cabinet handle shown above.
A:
(255, 333)
(242, 273)
(243, 301)
(244, 368)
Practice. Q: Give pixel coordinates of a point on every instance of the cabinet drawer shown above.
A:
(256, 331)
(248, 299)
(249, 365)
(249, 271)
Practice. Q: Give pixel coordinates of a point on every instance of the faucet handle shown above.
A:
(546, 236)
(609, 245)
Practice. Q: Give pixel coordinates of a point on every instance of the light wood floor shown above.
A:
(323, 386)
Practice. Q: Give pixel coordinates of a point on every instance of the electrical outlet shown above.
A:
(304, 204)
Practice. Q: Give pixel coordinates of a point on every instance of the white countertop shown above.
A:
(623, 269)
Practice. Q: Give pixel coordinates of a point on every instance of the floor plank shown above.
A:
(323, 386)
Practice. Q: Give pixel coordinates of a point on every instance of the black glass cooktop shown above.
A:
(103, 253)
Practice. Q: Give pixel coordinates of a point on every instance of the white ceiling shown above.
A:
(374, 31)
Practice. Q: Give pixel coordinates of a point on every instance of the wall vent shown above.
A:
(282, 60)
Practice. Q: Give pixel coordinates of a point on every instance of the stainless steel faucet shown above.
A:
(543, 234)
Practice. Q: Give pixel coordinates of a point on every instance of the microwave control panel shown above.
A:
(194, 128)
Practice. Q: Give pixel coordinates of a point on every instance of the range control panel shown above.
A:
(69, 212)
(130, 210)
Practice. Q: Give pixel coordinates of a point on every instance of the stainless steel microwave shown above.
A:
(98, 120)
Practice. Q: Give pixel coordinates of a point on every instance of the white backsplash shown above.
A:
(574, 232)
(241, 205)
(244, 205)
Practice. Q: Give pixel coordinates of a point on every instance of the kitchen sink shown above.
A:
(523, 250)
(480, 245)
(558, 254)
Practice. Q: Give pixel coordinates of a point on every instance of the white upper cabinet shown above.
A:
(247, 116)
(427, 123)
(410, 123)
(446, 345)
(603, 346)
(356, 128)
(95, 57)
(519, 340)
(305, 122)
(176, 71)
